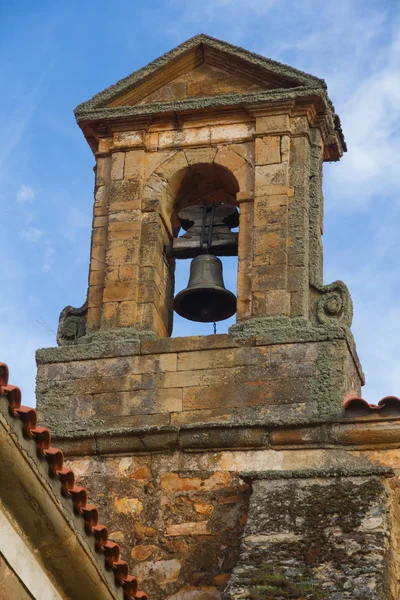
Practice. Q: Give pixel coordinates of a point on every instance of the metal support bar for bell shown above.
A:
(222, 242)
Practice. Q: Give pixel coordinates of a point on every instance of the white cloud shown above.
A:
(48, 257)
(32, 234)
(371, 121)
(25, 194)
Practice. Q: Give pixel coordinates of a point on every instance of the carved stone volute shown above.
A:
(71, 324)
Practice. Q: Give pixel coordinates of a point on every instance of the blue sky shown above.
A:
(55, 55)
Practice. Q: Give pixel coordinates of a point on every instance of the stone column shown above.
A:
(270, 294)
(97, 267)
(124, 234)
(298, 241)
(245, 258)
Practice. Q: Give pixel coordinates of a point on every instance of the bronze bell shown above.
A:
(206, 298)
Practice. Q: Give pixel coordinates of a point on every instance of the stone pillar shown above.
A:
(97, 270)
(122, 254)
(270, 293)
(245, 259)
(131, 280)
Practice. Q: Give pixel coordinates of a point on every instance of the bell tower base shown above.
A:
(275, 371)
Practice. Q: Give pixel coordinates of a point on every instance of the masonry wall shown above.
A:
(315, 538)
(275, 163)
(231, 524)
(192, 380)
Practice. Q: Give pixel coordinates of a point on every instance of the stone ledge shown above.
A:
(319, 473)
(257, 333)
(249, 99)
(233, 436)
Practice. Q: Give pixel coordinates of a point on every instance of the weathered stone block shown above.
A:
(196, 528)
(229, 159)
(274, 174)
(326, 535)
(95, 295)
(267, 150)
(99, 236)
(266, 240)
(270, 209)
(235, 132)
(119, 291)
(273, 124)
(271, 302)
(185, 137)
(128, 139)
(100, 221)
(96, 277)
(126, 313)
(134, 165)
(117, 166)
(269, 277)
(103, 171)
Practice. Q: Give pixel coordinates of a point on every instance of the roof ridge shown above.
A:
(79, 495)
(100, 99)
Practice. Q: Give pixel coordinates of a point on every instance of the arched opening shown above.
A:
(204, 185)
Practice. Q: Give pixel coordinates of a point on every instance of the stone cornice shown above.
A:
(306, 100)
(360, 433)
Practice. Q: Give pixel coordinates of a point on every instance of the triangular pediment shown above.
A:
(204, 80)
(201, 67)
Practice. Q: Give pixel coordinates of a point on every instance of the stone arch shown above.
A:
(232, 165)
(164, 182)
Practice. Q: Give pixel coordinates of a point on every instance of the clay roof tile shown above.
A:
(355, 406)
(79, 496)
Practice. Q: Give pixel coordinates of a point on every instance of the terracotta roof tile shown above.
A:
(356, 406)
(79, 496)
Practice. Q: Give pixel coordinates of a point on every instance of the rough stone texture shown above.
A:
(172, 435)
(326, 517)
(285, 75)
(188, 530)
(284, 382)
(315, 539)
(267, 159)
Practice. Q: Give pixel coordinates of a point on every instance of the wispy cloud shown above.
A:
(25, 194)
(48, 256)
(32, 235)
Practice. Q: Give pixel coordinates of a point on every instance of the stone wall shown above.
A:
(192, 380)
(321, 538)
(198, 525)
(272, 158)
(177, 529)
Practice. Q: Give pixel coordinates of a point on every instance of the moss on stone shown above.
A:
(91, 112)
(123, 341)
(131, 81)
(273, 582)
(126, 334)
(319, 473)
(287, 330)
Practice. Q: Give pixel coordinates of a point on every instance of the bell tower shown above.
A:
(214, 151)
(209, 124)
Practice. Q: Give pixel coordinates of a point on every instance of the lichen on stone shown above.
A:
(275, 582)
